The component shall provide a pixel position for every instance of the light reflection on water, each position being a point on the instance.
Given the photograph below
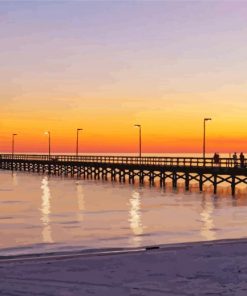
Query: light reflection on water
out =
(40, 213)
(207, 229)
(135, 217)
(46, 211)
(81, 203)
(14, 178)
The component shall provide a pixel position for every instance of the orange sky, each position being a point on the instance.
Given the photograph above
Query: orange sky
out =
(104, 67)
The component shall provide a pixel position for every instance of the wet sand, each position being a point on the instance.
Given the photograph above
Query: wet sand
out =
(206, 268)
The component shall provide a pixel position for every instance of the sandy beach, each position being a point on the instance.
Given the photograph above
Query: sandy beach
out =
(205, 268)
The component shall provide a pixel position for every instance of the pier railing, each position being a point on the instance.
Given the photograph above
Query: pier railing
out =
(129, 160)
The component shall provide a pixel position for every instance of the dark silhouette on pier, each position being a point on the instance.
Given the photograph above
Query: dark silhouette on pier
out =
(214, 170)
(242, 160)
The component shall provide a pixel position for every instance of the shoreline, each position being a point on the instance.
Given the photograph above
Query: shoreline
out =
(60, 255)
(198, 268)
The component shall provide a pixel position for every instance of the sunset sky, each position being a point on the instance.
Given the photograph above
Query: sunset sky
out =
(105, 66)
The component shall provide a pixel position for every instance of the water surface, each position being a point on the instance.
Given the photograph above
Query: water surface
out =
(41, 214)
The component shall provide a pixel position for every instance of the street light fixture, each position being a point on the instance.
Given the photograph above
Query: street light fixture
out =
(140, 139)
(77, 140)
(49, 142)
(13, 145)
(204, 136)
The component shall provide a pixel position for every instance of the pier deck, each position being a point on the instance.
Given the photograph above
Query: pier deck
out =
(132, 169)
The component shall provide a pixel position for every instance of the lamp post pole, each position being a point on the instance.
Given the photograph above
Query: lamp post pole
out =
(49, 143)
(140, 139)
(13, 150)
(204, 137)
(13, 145)
(77, 140)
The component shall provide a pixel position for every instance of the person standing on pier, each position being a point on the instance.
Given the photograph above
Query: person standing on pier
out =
(216, 158)
(242, 158)
(235, 159)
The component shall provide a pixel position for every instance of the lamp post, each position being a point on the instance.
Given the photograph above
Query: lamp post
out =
(13, 145)
(77, 140)
(140, 139)
(204, 136)
(49, 143)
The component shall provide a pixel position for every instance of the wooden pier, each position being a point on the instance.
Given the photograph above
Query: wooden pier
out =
(133, 169)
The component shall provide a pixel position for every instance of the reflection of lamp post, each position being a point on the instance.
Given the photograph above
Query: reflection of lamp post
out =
(77, 139)
(13, 145)
(49, 142)
(140, 139)
(204, 136)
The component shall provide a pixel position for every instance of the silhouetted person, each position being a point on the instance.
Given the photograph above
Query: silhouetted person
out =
(242, 158)
(216, 158)
(235, 159)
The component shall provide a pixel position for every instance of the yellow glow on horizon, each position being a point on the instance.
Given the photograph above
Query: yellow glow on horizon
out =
(171, 123)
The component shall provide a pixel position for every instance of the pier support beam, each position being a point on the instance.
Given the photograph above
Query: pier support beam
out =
(233, 185)
(187, 181)
(201, 183)
(215, 183)
(174, 180)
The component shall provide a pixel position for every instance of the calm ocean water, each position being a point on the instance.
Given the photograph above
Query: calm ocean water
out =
(42, 214)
